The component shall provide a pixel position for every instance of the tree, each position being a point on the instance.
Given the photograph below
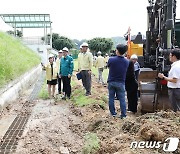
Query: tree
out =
(62, 42)
(59, 42)
(100, 44)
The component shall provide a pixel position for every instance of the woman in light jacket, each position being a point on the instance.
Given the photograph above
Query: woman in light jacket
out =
(51, 75)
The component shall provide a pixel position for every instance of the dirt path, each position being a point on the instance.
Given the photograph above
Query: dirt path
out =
(50, 129)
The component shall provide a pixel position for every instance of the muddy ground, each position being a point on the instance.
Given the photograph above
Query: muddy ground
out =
(57, 126)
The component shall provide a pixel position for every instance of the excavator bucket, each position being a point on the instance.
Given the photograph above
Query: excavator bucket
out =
(153, 95)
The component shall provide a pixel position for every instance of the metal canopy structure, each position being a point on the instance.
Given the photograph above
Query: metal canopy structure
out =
(29, 21)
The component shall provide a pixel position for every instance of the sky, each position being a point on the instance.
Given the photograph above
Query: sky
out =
(84, 19)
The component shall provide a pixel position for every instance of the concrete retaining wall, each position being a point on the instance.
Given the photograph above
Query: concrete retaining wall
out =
(14, 89)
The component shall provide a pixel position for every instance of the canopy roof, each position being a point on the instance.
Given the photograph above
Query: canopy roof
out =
(27, 20)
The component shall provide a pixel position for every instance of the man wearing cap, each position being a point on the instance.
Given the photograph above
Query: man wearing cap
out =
(58, 61)
(51, 75)
(100, 63)
(86, 66)
(134, 58)
(66, 70)
(106, 59)
(118, 66)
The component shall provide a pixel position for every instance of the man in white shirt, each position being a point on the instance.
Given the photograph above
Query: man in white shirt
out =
(173, 79)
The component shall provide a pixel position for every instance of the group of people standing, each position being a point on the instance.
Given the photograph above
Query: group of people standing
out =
(59, 71)
(122, 77)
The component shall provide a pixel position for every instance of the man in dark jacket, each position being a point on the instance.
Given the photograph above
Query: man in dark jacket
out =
(66, 70)
(131, 88)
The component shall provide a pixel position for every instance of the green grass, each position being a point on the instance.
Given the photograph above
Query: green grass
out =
(15, 58)
(91, 144)
(80, 99)
(43, 94)
(75, 65)
(73, 83)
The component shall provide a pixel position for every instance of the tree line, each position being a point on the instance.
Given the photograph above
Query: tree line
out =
(96, 44)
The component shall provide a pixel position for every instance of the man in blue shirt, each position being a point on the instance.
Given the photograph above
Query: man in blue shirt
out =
(66, 69)
(116, 80)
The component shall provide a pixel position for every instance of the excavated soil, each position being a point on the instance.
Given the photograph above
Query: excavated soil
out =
(60, 127)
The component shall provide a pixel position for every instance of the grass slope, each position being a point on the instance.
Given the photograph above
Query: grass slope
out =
(15, 58)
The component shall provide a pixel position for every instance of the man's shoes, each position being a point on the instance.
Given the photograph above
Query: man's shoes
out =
(114, 115)
(132, 112)
(68, 97)
(53, 97)
(64, 98)
(123, 118)
(87, 94)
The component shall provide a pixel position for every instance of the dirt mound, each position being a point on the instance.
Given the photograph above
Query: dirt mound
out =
(95, 125)
(96, 107)
(116, 143)
(152, 133)
(166, 124)
(75, 110)
(131, 127)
